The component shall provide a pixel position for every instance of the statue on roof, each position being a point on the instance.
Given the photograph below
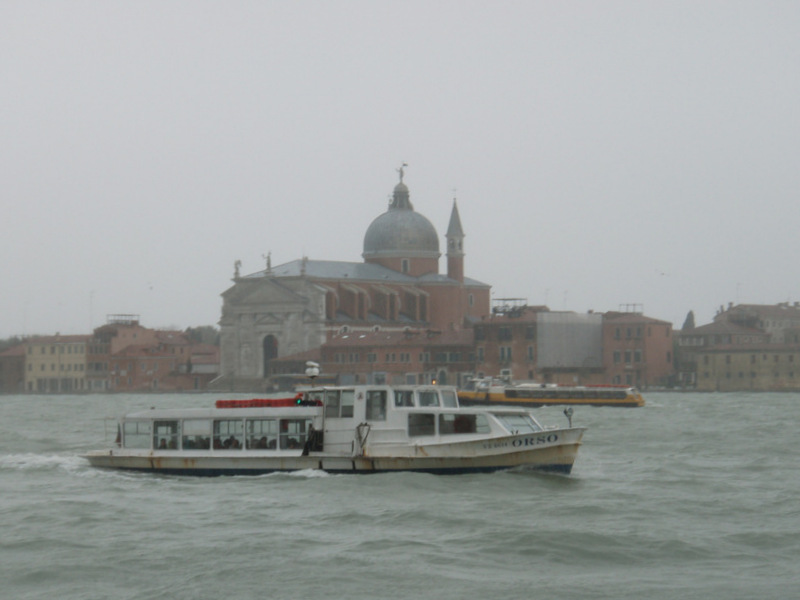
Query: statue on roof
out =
(401, 171)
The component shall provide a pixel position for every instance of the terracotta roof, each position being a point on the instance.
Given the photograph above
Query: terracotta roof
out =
(18, 350)
(618, 317)
(400, 338)
(720, 327)
(59, 339)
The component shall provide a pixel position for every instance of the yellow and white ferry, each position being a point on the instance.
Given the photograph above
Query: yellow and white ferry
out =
(489, 391)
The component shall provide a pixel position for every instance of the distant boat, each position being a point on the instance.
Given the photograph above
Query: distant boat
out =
(492, 391)
(350, 429)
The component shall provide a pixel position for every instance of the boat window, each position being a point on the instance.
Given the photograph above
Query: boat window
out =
(228, 434)
(196, 434)
(165, 435)
(421, 424)
(293, 433)
(449, 399)
(376, 405)
(136, 434)
(403, 398)
(332, 402)
(452, 423)
(262, 434)
(348, 399)
(428, 398)
(518, 423)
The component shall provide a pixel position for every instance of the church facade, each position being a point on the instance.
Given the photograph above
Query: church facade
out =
(392, 317)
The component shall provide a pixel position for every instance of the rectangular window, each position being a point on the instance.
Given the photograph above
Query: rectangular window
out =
(196, 434)
(262, 434)
(421, 424)
(136, 434)
(463, 424)
(165, 435)
(332, 403)
(293, 433)
(403, 398)
(348, 400)
(228, 434)
(617, 357)
(376, 405)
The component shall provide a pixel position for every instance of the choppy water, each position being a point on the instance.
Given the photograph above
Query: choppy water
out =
(692, 496)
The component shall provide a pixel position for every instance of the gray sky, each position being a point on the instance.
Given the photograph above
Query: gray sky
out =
(602, 153)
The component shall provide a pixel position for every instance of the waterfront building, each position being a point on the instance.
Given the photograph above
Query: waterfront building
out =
(747, 347)
(637, 350)
(755, 367)
(56, 364)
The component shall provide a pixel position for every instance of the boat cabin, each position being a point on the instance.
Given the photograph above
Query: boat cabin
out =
(337, 420)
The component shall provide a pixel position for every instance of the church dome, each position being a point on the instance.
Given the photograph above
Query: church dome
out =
(400, 231)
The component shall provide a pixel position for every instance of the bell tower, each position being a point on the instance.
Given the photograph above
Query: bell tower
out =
(455, 246)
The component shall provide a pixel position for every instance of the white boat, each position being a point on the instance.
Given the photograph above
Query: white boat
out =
(361, 429)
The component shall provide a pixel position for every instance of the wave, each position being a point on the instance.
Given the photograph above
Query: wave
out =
(42, 462)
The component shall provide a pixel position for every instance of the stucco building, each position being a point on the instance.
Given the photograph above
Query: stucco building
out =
(56, 364)
(748, 347)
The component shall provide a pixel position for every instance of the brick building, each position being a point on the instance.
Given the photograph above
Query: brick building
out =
(637, 350)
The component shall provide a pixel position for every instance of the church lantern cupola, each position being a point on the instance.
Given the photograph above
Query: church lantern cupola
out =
(401, 239)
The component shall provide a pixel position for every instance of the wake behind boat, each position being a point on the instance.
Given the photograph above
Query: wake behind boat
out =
(490, 391)
(348, 429)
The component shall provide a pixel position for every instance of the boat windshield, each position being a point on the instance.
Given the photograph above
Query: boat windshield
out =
(518, 423)
(449, 399)
(428, 398)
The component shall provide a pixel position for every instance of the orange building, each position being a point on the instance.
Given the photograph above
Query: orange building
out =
(637, 350)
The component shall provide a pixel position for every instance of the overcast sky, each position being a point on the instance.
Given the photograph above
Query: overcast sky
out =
(602, 153)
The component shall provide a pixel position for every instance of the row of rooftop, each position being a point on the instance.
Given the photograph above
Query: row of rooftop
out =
(746, 347)
(120, 356)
